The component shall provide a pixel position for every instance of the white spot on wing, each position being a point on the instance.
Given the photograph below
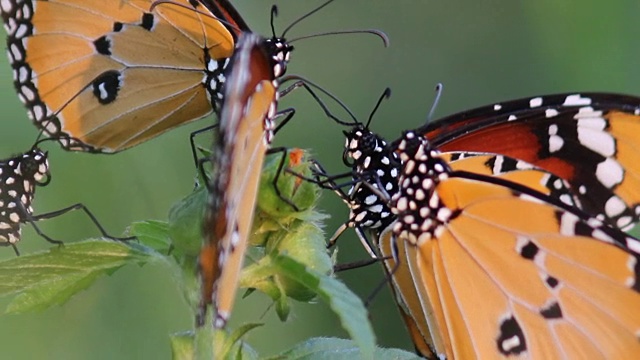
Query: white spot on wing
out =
(535, 102)
(576, 100)
(599, 141)
(510, 343)
(601, 235)
(609, 173)
(568, 223)
(549, 113)
(6, 6)
(614, 206)
(633, 245)
(596, 123)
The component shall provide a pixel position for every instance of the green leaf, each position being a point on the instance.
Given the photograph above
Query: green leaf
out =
(345, 304)
(185, 222)
(338, 349)
(303, 194)
(227, 346)
(52, 277)
(218, 344)
(305, 243)
(182, 346)
(152, 233)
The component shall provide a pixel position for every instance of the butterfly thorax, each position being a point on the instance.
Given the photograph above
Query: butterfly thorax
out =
(371, 161)
(420, 211)
(19, 177)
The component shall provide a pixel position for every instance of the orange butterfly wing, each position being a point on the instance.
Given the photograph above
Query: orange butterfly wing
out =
(103, 76)
(509, 274)
(412, 298)
(244, 135)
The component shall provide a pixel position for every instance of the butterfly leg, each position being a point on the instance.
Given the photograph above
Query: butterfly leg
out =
(323, 180)
(15, 249)
(283, 158)
(357, 264)
(288, 115)
(388, 274)
(305, 84)
(203, 174)
(33, 219)
(329, 183)
(192, 142)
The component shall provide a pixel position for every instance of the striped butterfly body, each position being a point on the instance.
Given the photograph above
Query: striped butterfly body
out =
(19, 177)
(242, 140)
(103, 76)
(501, 270)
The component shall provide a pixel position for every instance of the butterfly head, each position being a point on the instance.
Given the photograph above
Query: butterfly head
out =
(360, 146)
(34, 164)
(279, 50)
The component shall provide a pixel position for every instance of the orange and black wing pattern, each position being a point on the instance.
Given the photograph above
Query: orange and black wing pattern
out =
(500, 270)
(222, 9)
(591, 140)
(103, 76)
(243, 137)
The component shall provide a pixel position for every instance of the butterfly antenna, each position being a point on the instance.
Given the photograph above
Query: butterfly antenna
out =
(385, 95)
(378, 33)
(40, 139)
(284, 33)
(436, 101)
(388, 277)
(301, 81)
(274, 13)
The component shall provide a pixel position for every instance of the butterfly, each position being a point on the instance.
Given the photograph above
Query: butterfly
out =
(371, 213)
(103, 76)
(592, 165)
(243, 137)
(502, 270)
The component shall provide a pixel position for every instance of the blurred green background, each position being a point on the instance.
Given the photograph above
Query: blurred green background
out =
(483, 52)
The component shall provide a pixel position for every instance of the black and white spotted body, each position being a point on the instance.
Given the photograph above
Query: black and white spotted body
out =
(380, 166)
(19, 177)
(421, 214)
(370, 160)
